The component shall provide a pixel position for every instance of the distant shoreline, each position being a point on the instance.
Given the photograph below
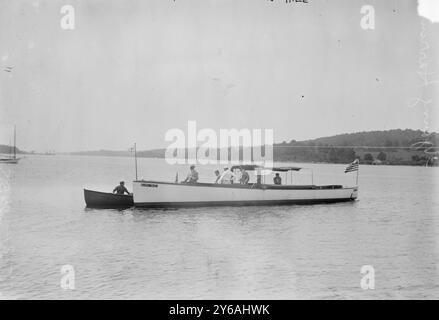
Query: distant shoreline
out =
(390, 147)
(85, 154)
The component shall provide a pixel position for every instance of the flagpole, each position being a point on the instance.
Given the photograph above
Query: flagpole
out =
(15, 138)
(135, 159)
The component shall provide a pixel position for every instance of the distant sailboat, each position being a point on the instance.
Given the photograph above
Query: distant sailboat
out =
(13, 159)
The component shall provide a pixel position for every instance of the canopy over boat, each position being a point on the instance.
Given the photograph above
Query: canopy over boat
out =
(285, 169)
(253, 167)
(248, 167)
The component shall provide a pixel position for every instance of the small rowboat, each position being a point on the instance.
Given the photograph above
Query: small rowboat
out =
(96, 199)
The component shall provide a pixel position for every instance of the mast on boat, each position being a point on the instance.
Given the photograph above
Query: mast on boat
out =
(135, 158)
(15, 151)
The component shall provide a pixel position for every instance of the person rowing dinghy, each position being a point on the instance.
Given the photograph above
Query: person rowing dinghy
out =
(120, 189)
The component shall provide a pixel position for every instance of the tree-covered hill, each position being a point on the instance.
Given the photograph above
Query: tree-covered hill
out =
(409, 147)
(388, 138)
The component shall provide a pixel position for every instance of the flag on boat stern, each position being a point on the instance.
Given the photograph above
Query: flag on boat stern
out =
(353, 166)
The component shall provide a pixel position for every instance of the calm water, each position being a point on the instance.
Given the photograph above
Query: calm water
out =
(253, 252)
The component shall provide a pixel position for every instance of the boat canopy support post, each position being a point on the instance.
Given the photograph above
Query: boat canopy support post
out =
(358, 170)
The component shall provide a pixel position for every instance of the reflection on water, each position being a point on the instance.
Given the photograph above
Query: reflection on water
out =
(229, 252)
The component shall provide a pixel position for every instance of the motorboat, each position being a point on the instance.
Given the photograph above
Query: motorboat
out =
(158, 194)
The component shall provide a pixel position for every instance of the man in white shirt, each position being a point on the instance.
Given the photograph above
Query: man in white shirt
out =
(227, 176)
(238, 175)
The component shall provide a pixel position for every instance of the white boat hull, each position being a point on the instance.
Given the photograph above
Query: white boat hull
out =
(163, 194)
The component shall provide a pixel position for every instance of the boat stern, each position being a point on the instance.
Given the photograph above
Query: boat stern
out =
(354, 194)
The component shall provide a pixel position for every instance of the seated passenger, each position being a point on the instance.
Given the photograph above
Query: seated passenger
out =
(245, 178)
(237, 175)
(217, 175)
(277, 179)
(192, 176)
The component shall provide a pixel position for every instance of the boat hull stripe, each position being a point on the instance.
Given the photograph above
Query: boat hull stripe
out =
(239, 203)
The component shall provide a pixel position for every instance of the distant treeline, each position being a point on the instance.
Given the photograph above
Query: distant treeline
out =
(9, 149)
(394, 147)
(103, 153)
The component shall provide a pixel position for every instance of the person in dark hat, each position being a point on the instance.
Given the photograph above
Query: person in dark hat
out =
(120, 189)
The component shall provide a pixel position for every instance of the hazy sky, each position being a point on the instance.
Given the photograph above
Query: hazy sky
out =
(131, 70)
